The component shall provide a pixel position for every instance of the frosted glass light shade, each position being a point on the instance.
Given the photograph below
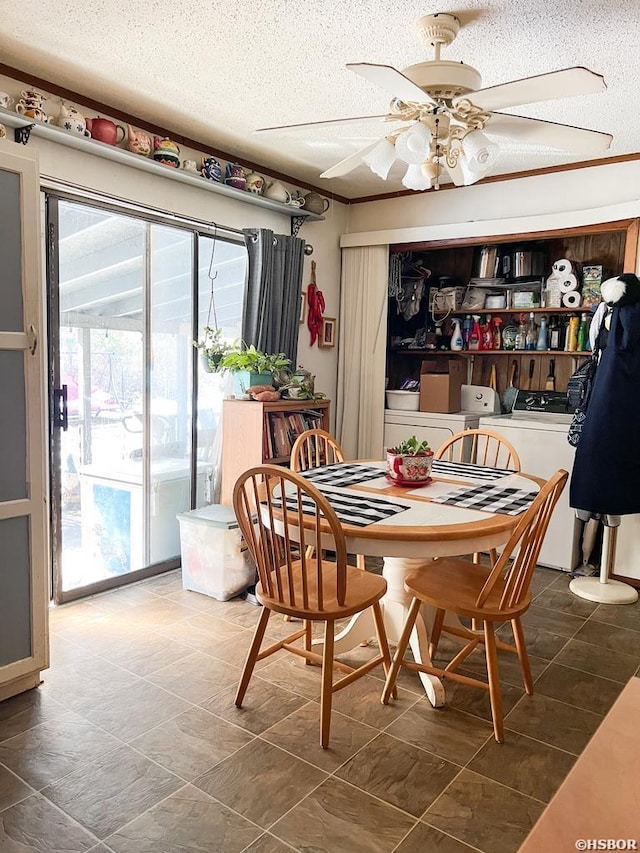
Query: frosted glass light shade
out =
(479, 154)
(381, 158)
(412, 146)
(415, 178)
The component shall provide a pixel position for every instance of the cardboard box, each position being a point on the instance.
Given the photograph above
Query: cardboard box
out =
(441, 380)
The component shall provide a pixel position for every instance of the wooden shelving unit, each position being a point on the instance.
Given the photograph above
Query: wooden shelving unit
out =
(255, 433)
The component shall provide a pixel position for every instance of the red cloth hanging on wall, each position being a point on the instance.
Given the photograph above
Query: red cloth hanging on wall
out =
(316, 306)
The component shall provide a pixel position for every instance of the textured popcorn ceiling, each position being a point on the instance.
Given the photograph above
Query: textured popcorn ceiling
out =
(216, 70)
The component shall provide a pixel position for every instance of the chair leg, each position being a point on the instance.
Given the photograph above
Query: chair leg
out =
(401, 648)
(383, 643)
(326, 694)
(493, 556)
(494, 681)
(307, 639)
(361, 562)
(436, 630)
(521, 646)
(254, 649)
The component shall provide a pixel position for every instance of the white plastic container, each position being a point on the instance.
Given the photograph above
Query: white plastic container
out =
(408, 401)
(215, 560)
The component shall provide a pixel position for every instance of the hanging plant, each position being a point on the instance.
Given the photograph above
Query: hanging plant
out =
(213, 348)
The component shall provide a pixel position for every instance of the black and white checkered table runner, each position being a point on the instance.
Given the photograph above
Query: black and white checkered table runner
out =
(463, 469)
(342, 474)
(500, 499)
(352, 508)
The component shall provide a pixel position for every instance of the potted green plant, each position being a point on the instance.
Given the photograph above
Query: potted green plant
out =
(409, 463)
(251, 366)
(300, 385)
(213, 348)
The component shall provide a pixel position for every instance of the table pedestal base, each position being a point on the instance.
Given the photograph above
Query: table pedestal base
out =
(395, 607)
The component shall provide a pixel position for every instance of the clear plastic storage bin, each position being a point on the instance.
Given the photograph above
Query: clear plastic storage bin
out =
(215, 560)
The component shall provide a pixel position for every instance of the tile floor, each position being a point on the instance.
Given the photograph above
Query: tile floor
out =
(132, 744)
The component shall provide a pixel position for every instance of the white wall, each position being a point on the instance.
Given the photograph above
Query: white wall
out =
(94, 172)
(554, 200)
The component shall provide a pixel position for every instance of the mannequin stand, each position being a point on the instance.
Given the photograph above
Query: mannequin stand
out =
(602, 589)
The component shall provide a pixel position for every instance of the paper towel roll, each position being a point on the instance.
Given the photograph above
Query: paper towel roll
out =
(571, 299)
(563, 266)
(568, 283)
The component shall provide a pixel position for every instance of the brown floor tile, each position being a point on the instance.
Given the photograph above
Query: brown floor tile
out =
(260, 767)
(442, 731)
(475, 700)
(508, 663)
(66, 616)
(48, 752)
(160, 612)
(578, 688)
(566, 602)
(234, 651)
(143, 651)
(610, 637)
(195, 677)
(291, 673)
(264, 705)
(85, 682)
(268, 844)
(125, 780)
(192, 743)
(598, 661)
(36, 825)
(622, 615)
(133, 710)
(540, 643)
(561, 623)
(63, 652)
(336, 817)
(123, 598)
(561, 583)
(484, 814)
(203, 633)
(528, 766)
(399, 773)
(361, 701)
(299, 734)
(186, 821)
(12, 789)
(553, 722)
(165, 583)
(427, 839)
(26, 711)
(542, 579)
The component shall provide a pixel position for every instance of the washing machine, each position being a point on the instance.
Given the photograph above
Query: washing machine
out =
(437, 427)
(537, 428)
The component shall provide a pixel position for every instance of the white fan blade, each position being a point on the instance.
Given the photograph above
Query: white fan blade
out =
(321, 123)
(392, 81)
(576, 139)
(543, 87)
(349, 163)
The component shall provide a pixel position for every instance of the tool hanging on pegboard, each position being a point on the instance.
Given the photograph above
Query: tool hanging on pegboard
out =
(316, 306)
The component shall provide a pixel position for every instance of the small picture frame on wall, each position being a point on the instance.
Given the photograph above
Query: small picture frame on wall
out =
(303, 305)
(328, 333)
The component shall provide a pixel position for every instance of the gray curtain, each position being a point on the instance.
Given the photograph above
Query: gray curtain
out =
(271, 312)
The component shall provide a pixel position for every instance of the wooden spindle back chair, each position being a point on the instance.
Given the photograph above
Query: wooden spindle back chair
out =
(486, 595)
(282, 516)
(313, 448)
(480, 447)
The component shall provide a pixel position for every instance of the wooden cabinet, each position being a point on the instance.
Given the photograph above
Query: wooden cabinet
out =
(254, 433)
(612, 244)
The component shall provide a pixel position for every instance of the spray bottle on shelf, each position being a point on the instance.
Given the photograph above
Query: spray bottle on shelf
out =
(583, 333)
(497, 334)
(457, 342)
(487, 333)
(521, 337)
(475, 338)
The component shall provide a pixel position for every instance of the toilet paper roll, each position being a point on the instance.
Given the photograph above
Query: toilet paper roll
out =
(568, 283)
(571, 299)
(563, 266)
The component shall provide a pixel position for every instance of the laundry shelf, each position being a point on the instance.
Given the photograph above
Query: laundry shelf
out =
(128, 158)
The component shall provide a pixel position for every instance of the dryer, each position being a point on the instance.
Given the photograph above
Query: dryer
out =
(437, 427)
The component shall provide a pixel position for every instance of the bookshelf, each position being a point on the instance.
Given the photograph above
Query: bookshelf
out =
(254, 433)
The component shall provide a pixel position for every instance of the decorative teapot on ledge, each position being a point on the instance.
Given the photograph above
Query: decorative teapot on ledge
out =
(138, 141)
(166, 152)
(69, 118)
(235, 176)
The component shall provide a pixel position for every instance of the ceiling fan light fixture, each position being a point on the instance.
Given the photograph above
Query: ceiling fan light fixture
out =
(415, 178)
(478, 156)
(412, 146)
(381, 158)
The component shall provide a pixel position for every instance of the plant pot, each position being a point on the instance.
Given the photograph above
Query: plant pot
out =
(403, 468)
(244, 379)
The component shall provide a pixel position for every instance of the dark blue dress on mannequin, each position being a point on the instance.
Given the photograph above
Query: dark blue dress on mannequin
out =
(606, 469)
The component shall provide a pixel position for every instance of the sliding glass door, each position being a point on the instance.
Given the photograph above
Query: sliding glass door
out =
(127, 457)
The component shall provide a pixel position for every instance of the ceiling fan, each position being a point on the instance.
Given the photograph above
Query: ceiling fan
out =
(440, 112)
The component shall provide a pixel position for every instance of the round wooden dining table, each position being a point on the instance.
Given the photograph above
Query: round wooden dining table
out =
(409, 540)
